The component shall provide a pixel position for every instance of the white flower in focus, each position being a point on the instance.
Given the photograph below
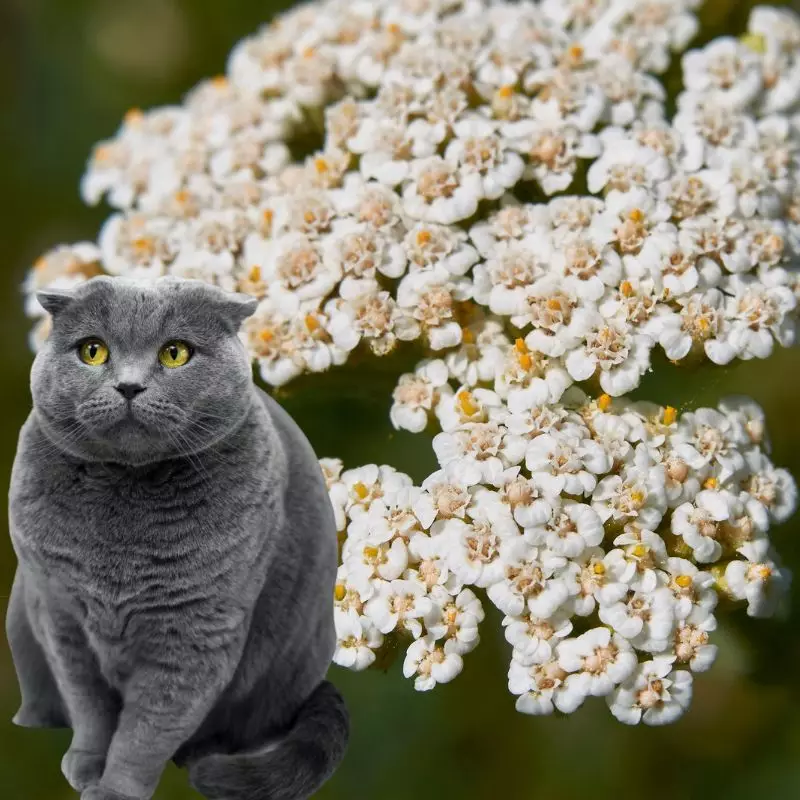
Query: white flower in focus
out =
(656, 694)
(699, 523)
(635, 562)
(566, 461)
(594, 581)
(534, 639)
(530, 579)
(692, 589)
(430, 662)
(455, 619)
(570, 529)
(399, 605)
(357, 638)
(541, 687)
(691, 644)
(598, 661)
(645, 619)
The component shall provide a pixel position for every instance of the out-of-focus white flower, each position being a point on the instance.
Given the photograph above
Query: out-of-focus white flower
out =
(759, 580)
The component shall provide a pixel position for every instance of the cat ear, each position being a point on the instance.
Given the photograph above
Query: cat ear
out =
(55, 300)
(235, 306)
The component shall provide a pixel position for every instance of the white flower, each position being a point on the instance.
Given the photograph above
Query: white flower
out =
(530, 579)
(357, 250)
(511, 222)
(625, 164)
(365, 561)
(647, 619)
(541, 687)
(698, 523)
(138, 245)
(534, 639)
(616, 350)
(417, 394)
(759, 316)
(551, 147)
(691, 644)
(595, 582)
(487, 446)
(637, 493)
(759, 580)
(429, 662)
(428, 298)
(598, 661)
(357, 638)
(774, 488)
(387, 148)
(465, 406)
(501, 282)
(399, 605)
(726, 67)
(439, 192)
(446, 493)
(588, 263)
(708, 438)
(390, 516)
(365, 311)
(634, 218)
(295, 263)
(480, 151)
(635, 562)
(455, 619)
(692, 589)
(428, 245)
(570, 529)
(566, 461)
(699, 325)
(656, 694)
(474, 548)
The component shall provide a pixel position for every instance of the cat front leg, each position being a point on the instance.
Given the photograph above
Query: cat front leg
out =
(41, 705)
(91, 704)
(163, 705)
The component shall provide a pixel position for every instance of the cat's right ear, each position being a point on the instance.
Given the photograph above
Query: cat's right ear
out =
(54, 301)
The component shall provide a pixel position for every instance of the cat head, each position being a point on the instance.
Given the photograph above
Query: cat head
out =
(136, 373)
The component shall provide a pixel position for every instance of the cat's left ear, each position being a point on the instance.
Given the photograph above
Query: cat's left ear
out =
(235, 307)
(53, 301)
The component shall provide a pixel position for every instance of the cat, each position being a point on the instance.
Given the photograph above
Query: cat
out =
(176, 551)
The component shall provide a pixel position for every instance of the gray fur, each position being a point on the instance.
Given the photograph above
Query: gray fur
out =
(177, 557)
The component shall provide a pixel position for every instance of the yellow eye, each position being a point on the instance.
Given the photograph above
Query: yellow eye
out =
(93, 352)
(175, 354)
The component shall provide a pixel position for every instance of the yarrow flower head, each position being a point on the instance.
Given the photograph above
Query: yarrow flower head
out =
(499, 187)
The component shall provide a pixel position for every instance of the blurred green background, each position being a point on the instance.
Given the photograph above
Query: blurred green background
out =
(69, 69)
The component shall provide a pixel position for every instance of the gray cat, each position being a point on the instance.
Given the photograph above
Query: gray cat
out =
(177, 554)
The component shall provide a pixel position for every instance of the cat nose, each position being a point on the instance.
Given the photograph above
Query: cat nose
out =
(129, 390)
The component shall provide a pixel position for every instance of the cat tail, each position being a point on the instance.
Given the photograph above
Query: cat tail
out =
(293, 768)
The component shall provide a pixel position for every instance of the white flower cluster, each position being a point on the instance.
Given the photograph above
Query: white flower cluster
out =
(501, 183)
(606, 533)
(440, 123)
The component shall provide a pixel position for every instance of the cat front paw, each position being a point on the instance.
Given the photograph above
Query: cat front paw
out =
(30, 716)
(82, 768)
